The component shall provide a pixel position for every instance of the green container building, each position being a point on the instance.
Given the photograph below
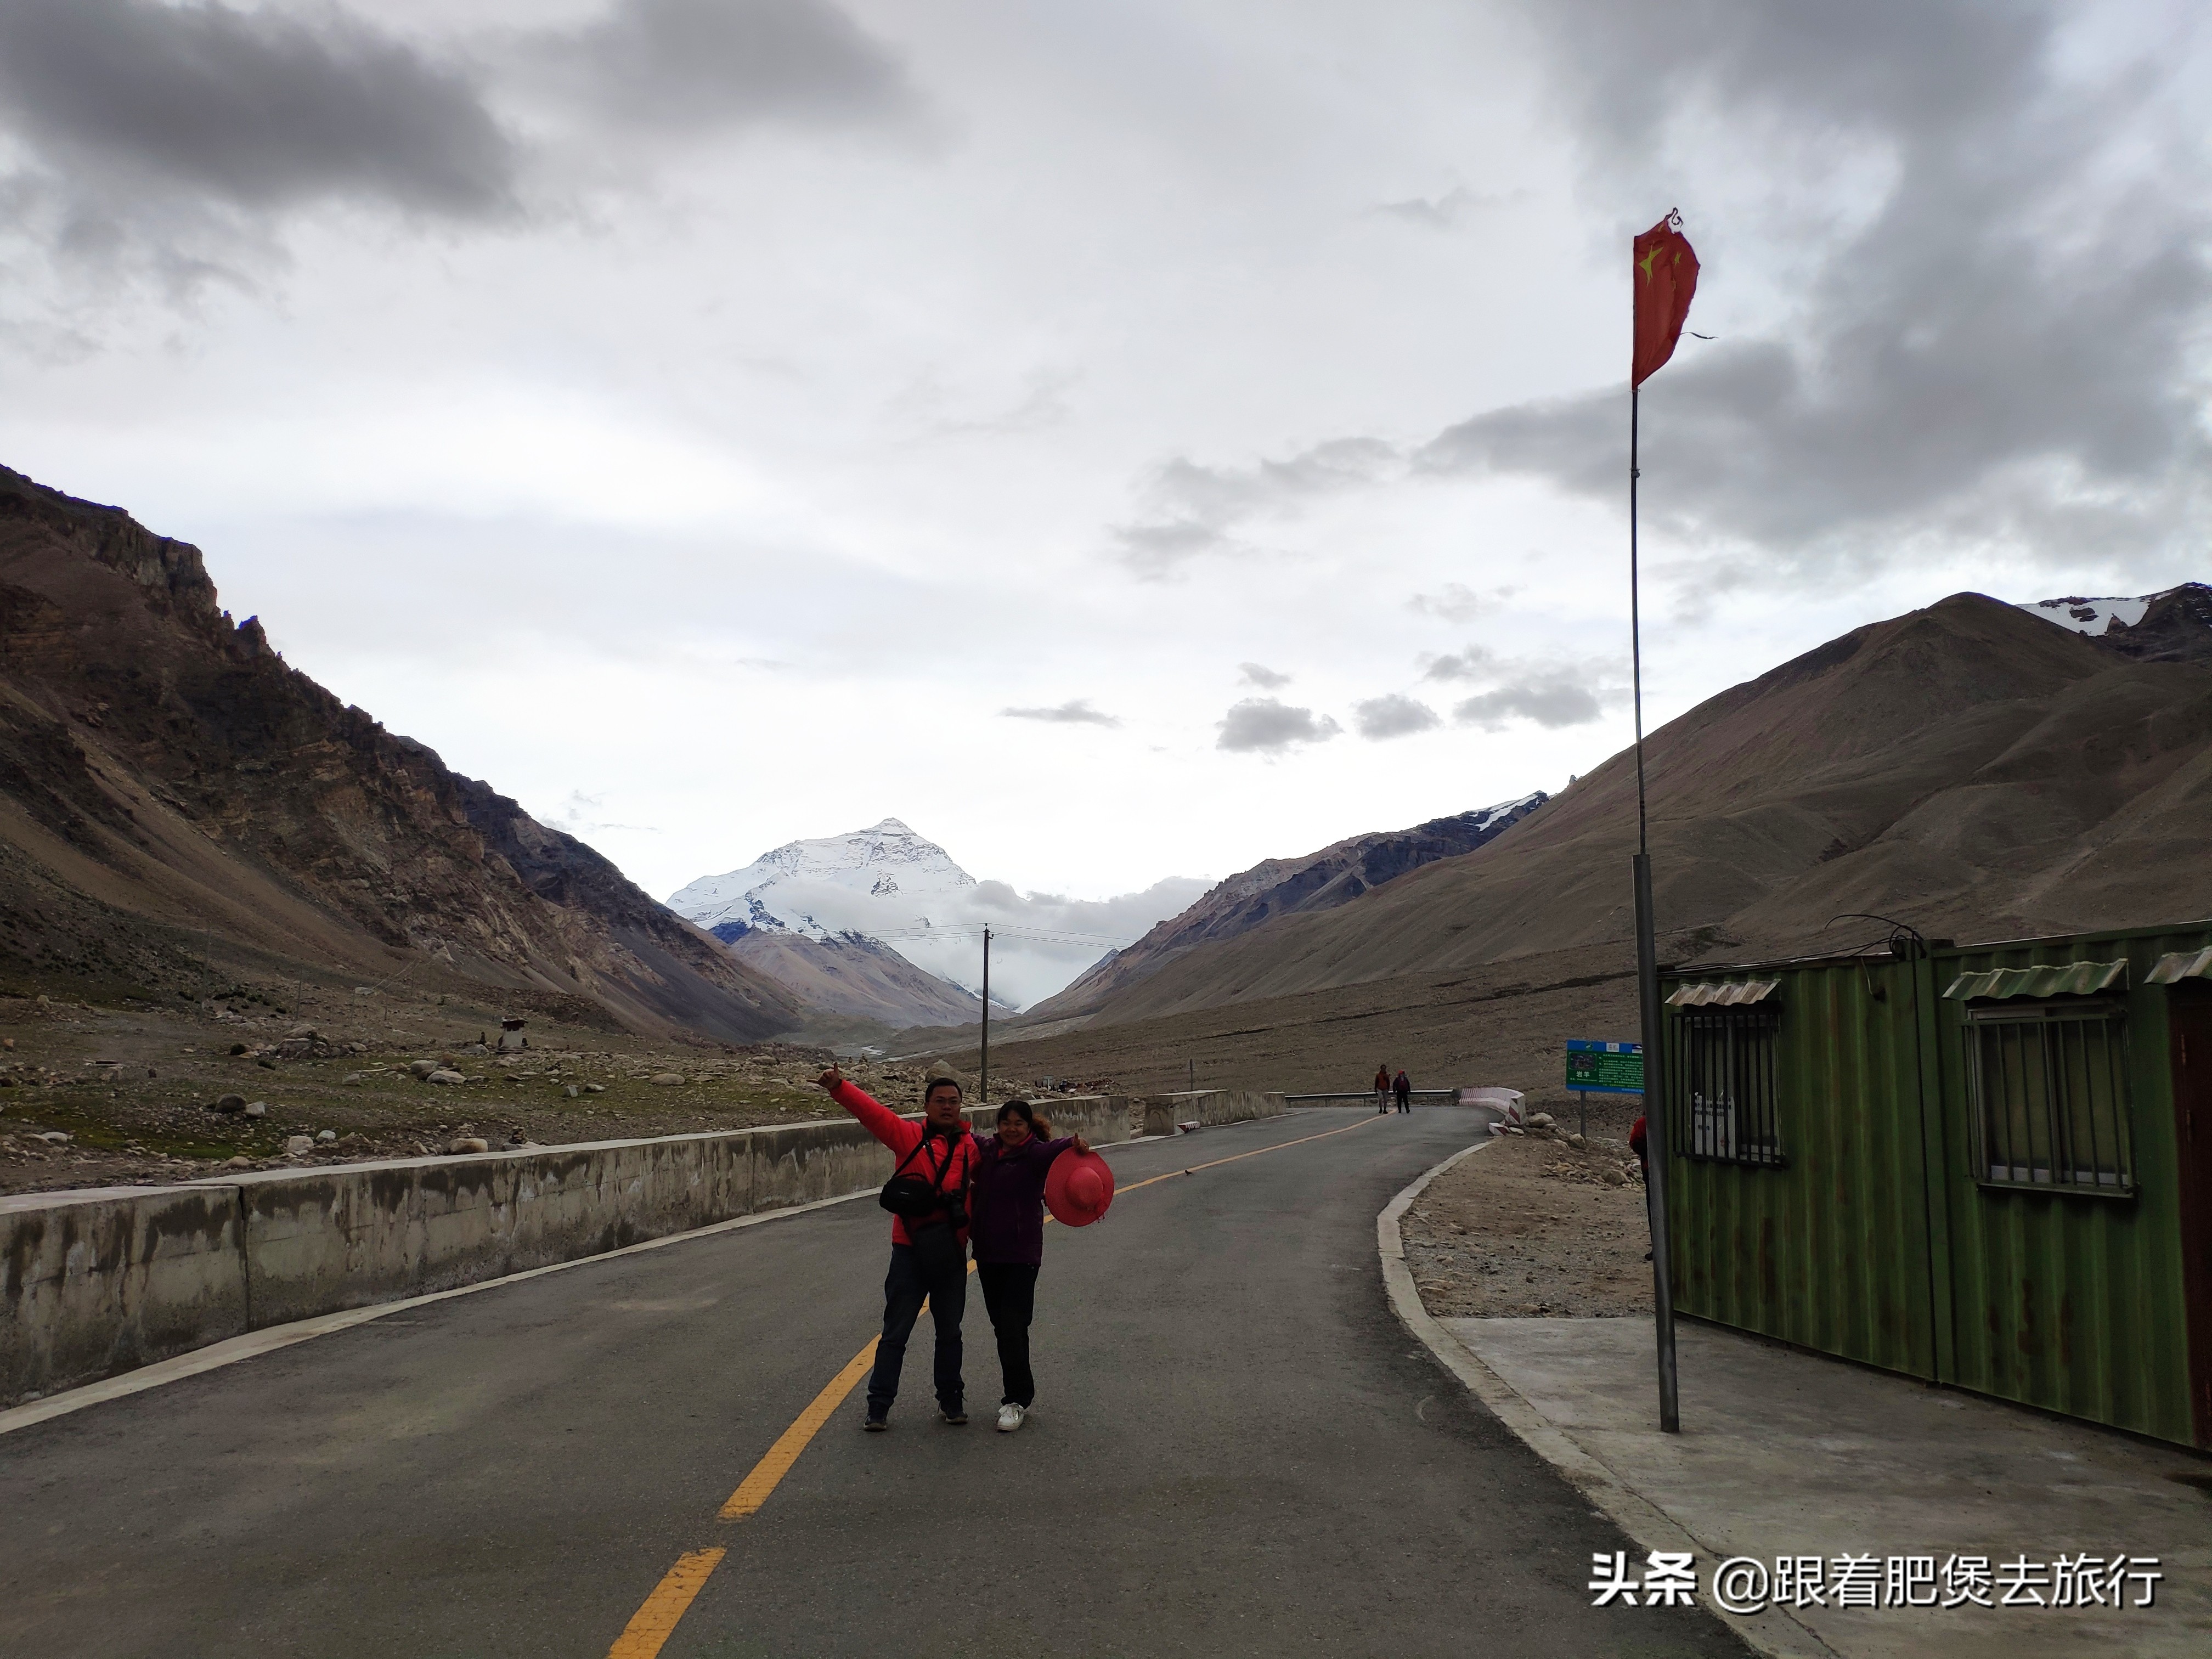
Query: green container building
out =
(1987, 1165)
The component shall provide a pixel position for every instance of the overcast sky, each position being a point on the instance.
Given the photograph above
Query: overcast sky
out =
(1122, 440)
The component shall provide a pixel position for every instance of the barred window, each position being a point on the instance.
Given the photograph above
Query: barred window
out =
(1723, 1085)
(2050, 1086)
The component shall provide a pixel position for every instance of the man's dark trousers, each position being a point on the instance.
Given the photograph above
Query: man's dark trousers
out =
(904, 1287)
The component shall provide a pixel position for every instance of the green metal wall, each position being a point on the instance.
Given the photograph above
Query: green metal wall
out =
(1875, 1241)
(2074, 1303)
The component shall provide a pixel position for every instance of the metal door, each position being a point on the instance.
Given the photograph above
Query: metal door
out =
(2191, 1011)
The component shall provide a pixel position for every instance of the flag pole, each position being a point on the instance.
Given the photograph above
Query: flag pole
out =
(1647, 981)
(983, 1082)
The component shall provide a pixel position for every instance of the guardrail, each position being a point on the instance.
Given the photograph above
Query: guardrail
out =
(1368, 1094)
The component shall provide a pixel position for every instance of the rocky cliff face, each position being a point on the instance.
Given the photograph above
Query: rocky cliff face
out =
(1336, 875)
(165, 777)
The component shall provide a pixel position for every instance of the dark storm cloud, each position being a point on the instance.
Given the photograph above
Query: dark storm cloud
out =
(1393, 715)
(1476, 662)
(126, 99)
(1266, 725)
(688, 64)
(1195, 508)
(2002, 351)
(1076, 713)
(1551, 701)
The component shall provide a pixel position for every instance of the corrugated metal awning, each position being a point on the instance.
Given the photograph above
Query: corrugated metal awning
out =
(2181, 965)
(2060, 979)
(1722, 993)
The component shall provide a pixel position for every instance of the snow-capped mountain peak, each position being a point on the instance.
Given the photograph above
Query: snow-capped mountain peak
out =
(866, 881)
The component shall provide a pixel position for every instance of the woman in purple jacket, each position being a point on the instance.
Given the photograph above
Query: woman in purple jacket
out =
(1005, 1209)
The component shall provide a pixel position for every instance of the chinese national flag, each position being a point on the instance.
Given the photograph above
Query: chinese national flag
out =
(1666, 277)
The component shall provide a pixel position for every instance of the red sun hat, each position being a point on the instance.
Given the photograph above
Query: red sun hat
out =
(1077, 1187)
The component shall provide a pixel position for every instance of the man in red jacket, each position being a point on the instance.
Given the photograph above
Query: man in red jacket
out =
(929, 1251)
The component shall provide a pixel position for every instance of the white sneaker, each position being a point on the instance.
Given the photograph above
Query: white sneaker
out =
(1010, 1417)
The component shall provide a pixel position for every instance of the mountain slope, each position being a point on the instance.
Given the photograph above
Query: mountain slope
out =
(168, 785)
(1336, 875)
(1968, 768)
(851, 974)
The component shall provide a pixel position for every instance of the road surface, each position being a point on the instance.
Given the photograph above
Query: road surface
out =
(1236, 1449)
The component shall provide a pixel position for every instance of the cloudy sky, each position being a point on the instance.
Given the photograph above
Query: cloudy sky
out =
(1123, 441)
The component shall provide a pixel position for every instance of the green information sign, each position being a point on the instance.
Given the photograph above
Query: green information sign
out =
(1605, 1069)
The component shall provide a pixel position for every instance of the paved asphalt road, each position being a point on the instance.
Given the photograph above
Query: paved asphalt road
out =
(1236, 1449)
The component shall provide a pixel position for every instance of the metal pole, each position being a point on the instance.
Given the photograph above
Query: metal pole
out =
(1647, 990)
(1193, 1075)
(983, 1083)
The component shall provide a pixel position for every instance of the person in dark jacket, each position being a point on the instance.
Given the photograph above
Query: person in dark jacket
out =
(1402, 1086)
(1007, 1203)
(925, 1262)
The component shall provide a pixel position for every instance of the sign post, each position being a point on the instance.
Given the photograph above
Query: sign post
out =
(1602, 1068)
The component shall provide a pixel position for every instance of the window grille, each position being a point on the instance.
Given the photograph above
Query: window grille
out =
(2050, 1088)
(1723, 1085)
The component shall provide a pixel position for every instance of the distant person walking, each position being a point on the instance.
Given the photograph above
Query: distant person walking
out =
(1006, 1203)
(928, 1197)
(1382, 1090)
(1402, 1086)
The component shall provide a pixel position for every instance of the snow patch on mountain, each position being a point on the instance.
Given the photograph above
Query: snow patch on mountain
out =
(2092, 617)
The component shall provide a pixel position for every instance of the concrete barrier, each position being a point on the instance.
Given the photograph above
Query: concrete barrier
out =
(96, 1282)
(1208, 1108)
(106, 1280)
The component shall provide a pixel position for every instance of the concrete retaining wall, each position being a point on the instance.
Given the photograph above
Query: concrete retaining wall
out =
(1208, 1108)
(96, 1282)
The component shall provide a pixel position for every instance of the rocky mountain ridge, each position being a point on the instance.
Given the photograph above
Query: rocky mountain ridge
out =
(169, 787)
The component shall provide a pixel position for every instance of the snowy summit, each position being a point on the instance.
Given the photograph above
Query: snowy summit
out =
(878, 879)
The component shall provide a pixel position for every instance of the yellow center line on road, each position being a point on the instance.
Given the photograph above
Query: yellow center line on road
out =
(652, 1625)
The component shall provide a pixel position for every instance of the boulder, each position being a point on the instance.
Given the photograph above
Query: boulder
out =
(256, 1108)
(446, 1077)
(461, 1143)
(326, 1135)
(300, 1032)
(423, 1068)
(668, 1079)
(1611, 1175)
(295, 1145)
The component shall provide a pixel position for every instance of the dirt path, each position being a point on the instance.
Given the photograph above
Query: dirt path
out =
(1532, 1227)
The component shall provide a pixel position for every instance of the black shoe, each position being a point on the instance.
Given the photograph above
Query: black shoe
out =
(956, 1415)
(875, 1424)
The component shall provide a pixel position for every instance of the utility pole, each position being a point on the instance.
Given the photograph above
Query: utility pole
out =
(983, 1083)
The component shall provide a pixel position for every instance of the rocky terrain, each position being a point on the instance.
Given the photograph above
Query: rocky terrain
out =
(1540, 1225)
(146, 1092)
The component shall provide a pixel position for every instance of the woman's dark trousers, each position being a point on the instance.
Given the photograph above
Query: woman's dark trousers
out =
(1009, 1298)
(904, 1286)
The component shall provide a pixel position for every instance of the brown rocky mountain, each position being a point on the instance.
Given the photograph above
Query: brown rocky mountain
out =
(170, 789)
(851, 974)
(1336, 875)
(1968, 769)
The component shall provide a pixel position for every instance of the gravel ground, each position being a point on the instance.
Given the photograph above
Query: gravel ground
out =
(128, 1094)
(1531, 1227)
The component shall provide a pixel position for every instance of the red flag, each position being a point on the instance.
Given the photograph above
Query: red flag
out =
(1666, 276)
